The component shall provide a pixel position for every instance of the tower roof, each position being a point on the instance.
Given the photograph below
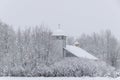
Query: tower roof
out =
(59, 32)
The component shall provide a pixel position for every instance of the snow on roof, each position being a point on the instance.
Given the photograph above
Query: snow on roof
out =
(59, 32)
(76, 42)
(79, 52)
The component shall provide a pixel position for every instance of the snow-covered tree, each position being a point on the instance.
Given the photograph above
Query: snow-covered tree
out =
(7, 47)
(70, 40)
(103, 45)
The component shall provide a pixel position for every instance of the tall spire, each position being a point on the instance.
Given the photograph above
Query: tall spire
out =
(59, 26)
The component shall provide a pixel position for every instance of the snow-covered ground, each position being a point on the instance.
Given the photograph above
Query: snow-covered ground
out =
(61, 78)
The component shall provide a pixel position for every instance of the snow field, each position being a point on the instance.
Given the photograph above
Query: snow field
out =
(58, 78)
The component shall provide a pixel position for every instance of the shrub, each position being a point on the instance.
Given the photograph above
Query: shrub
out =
(115, 74)
(78, 67)
(41, 70)
(17, 71)
(68, 67)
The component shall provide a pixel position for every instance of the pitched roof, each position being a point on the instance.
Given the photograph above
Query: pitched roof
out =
(79, 52)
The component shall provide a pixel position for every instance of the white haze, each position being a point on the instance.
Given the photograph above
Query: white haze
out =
(75, 16)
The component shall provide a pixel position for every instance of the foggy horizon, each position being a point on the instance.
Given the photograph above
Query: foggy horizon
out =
(76, 17)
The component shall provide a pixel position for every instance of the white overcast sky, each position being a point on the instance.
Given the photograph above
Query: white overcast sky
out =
(75, 16)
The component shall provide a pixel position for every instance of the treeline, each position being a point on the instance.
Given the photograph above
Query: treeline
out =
(32, 52)
(24, 50)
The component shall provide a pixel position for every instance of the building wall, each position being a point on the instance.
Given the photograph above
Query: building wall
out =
(60, 42)
(68, 54)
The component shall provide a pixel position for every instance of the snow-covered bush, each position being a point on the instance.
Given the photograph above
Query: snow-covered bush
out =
(103, 68)
(4, 71)
(37, 71)
(114, 74)
(78, 67)
(42, 70)
(68, 67)
(117, 73)
(17, 71)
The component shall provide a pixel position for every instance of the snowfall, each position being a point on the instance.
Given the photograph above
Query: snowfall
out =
(58, 78)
